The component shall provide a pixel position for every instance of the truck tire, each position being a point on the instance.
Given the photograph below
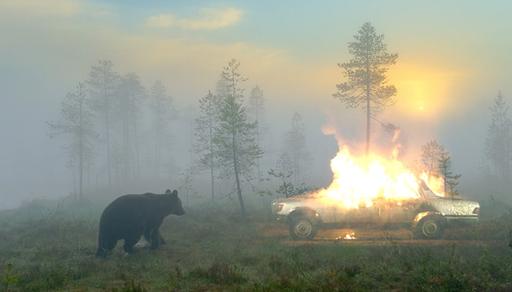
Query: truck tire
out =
(430, 227)
(302, 228)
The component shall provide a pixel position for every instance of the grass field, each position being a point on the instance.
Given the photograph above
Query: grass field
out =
(50, 246)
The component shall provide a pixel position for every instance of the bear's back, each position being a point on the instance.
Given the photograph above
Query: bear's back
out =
(136, 206)
(126, 207)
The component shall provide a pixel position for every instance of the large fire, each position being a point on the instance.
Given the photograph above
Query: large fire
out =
(435, 183)
(358, 181)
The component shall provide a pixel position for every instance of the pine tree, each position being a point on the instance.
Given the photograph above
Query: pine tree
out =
(436, 162)
(296, 149)
(284, 173)
(235, 137)
(102, 85)
(256, 111)
(128, 98)
(366, 85)
(451, 181)
(77, 124)
(162, 113)
(499, 139)
(204, 132)
(431, 155)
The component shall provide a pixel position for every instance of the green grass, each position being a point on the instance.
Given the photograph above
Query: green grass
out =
(49, 246)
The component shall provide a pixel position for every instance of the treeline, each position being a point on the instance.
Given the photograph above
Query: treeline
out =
(120, 133)
(498, 148)
(496, 163)
(105, 118)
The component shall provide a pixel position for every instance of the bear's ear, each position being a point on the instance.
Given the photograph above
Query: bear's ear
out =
(167, 192)
(175, 193)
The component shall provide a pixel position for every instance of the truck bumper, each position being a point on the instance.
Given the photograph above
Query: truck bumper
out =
(462, 220)
(280, 218)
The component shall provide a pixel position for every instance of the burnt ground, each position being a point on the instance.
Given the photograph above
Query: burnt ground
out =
(378, 237)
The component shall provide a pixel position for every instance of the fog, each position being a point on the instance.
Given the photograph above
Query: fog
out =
(44, 53)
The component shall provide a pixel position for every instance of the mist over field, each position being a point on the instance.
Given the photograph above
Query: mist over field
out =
(446, 79)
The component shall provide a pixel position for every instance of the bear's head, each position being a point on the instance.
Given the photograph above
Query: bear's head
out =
(173, 202)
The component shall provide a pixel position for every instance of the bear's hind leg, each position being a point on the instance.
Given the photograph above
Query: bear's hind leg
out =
(152, 233)
(105, 246)
(147, 237)
(101, 252)
(147, 234)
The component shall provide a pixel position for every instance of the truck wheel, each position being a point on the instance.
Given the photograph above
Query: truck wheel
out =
(429, 227)
(302, 228)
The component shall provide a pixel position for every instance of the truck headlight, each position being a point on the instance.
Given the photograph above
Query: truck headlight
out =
(277, 207)
(476, 211)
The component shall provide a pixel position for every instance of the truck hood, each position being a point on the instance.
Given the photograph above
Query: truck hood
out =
(454, 207)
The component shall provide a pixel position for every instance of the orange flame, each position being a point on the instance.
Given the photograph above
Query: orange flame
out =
(358, 181)
(350, 236)
(435, 183)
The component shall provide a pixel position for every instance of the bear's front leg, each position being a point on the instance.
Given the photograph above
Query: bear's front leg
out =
(155, 238)
(149, 238)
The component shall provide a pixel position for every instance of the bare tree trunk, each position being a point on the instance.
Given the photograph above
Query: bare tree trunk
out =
(212, 178)
(107, 141)
(296, 167)
(156, 156)
(212, 182)
(81, 174)
(80, 151)
(235, 154)
(368, 127)
(137, 150)
(126, 166)
(237, 178)
(258, 167)
(368, 111)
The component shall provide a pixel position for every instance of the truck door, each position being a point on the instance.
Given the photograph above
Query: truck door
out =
(396, 212)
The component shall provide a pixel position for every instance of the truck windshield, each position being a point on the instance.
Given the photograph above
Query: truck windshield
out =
(425, 191)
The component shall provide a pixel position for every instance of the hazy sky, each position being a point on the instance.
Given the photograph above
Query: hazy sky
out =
(454, 56)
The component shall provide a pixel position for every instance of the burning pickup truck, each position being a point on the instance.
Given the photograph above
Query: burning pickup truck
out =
(428, 215)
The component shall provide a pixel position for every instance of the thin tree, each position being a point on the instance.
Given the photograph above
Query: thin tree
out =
(366, 85)
(162, 113)
(102, 85)
(204, 133)
(76, 123)
(296, 149)
(499, 139)
(221, 87)
(235, 137)
(431, 155)
(256, 110)
(450, 180)
(128, 98)
(187, 187)
(284, 173)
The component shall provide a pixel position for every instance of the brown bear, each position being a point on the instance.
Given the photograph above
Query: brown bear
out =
(131, 216)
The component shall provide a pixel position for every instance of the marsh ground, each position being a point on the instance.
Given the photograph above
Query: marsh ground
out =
(50, 247)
